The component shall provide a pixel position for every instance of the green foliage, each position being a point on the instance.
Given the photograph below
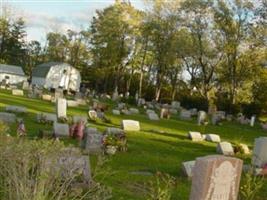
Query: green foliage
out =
(194, 102)
(161, 188)
(4, 128)
(250, 186)
(251, 109)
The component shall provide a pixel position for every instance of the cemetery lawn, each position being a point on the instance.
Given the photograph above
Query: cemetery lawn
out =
(160, 146)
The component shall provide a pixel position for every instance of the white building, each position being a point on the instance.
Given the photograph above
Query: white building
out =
(10, 74)
(56, 75)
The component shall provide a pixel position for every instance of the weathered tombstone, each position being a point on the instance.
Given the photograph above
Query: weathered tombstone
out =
(252, 120)
(116, 112)
(195, 136)
(149, 111)
(125, 112)
(202, 116)
(259, 158)
(134, 110)
(46, 117)
(61, 130)
(92, 114)
(225, 148)
(130, 125)
(153, 116)
(185, 115)
(216, 178)
(173, 111)
(59, 93)
(113, 130)
(17, 92)
(121, 106)
(92, 142)
(7, 117)
(115, 95)
(72, 103)
(187, 168)
(215, 118)
(61, 108)
(175, 105)
(25, 85)
(264, 126)
(213, 138)
(17, 109)
(141, 102)
(193, 112)
(78, 118)
(46, 97)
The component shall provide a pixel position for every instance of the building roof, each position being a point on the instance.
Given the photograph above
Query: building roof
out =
(11, 69)
(43, 69)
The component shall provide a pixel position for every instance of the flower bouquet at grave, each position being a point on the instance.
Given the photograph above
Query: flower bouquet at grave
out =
(114, 142)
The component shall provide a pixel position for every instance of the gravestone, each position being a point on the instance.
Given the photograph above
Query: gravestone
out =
(252, 120)
(61, 130)
(17, 92)
(193, 112)
(121, 106)
(259, 158)
(244, 148)
(72, 103)
(46, 97)
(92, 114)
(195, 136)
(213, 138)
(153, 116)
(130, 125)
(58, 94)
(225, 148)
(125, 112)
(77, 118)
(134, 110)
(202, 116)
(185, 115)
(149, 111)
(175, 105)
(113, 130)
(48, 117)
(25, 85)
(116, 112)
(81, 102)
(187, 168)
(17, 109)
(92, 142)
(7, 117)
(61, 108)
(216, 178)
(141, 102)
(173, 111)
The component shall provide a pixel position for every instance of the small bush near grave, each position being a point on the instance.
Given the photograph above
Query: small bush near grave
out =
(250, 185)
(161, 188)
(26, 173)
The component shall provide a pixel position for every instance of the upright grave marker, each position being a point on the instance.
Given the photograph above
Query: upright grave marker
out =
(61, 108)
(216, 178)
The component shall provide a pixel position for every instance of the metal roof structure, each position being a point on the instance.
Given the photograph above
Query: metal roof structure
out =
(11, 69)
(43, 69)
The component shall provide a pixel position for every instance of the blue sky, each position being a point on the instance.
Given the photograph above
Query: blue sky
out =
(43, 16)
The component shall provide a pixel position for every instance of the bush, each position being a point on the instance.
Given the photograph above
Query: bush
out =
(251, 109)
(29, 172)
(194, 102)
(225, 105)
(130, 100)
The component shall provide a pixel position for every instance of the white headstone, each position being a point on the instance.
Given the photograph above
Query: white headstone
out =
(61, 108)
(213, 138)
(116, 112)
(130, 125)
(46, 97)
(225, 148)
(202, 116)
(195, 136)
(72, 103)
(259, 158)
(61, 130)
(17, 92)
(134, 110)
(185, 115)
(252, 120)
(187, 168)
(92, 142)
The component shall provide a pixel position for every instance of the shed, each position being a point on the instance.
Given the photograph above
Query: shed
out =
(56, 75)
(11, 74)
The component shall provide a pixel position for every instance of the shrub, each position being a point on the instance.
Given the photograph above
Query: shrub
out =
(194, 102)
(26, 172)
(251, 109)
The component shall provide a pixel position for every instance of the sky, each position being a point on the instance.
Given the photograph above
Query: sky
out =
(43, 16)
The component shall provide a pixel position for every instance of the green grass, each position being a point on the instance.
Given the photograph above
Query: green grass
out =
(159, 146)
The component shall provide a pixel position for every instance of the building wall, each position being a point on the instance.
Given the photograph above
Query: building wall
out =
(38, 81)
(13, 79)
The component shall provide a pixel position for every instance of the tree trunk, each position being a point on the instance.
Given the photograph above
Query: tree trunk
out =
(141, 84)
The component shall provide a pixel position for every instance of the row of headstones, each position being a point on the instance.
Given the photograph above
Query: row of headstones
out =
(225, 148)
(259, 158)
